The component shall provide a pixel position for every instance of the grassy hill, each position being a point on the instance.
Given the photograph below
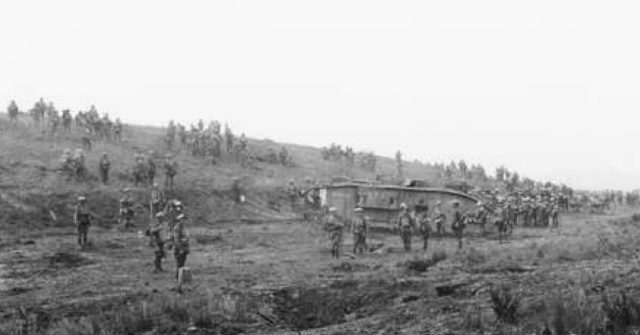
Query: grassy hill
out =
(33, 193)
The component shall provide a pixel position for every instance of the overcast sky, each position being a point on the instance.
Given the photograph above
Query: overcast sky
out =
(549, 88)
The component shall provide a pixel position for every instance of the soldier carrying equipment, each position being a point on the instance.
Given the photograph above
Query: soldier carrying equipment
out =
(405, 226)
(82, 220)
(180, 243)
(359, 226)
(155, 231)
(458, 224)
(335, 227)
(424, 225)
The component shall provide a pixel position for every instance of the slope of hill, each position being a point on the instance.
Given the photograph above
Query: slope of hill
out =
(30, 183)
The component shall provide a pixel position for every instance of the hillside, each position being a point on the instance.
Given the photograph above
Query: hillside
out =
(30, 183)
(270, 272)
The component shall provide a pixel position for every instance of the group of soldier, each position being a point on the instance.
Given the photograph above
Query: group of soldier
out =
(213, 143)
(45, 115)
(335, 152)
(504, 214)
(166, 227)
(209, 141)
(144, 169)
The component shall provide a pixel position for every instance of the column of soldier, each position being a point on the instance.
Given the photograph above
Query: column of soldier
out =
(540, 211)
(46, 116)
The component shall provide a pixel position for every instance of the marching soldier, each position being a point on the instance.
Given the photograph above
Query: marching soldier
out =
(104, 166)
(405, 226)
(359, 226)
(458, 224)
(180, 243)
(170, 171)
(335, 227)
(82, 220)
(158, 243)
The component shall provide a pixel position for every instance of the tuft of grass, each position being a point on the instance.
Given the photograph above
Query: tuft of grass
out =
(506, 301)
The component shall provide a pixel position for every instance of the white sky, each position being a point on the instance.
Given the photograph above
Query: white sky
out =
(549, 88)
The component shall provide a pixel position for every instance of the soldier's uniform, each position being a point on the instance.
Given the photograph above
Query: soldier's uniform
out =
(156, 199)
(359, 226)
(172, 210)
(158, 243)
(335, 227)
(104, 166)
(180, 243)
(126, 209)
(500, 220)
(458, 224)
(405, 226)
(170, 171)
(555, 213)
(424, 225)
(82, 220)
(481, 218)
(440, 219)
(293, 194)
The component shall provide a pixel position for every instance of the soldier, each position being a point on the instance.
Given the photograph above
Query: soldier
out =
(66, 164)
(156, 199)
(104, 166)
(481, 217)
(126, 208)
(179, 242)
(170, 171)
(66, 120)
(359, 226)
(117, 130)
(13, 111)
(424, 225)
(439, 218)
(500, 220)
(151, 168)
(78, 163)
(292, 192)
(155, 231)
(284, 156)
(139, 170)
(82, 220)
(458, 224)
(555, 213)
(335, 227)
(405, 226)
(172, 210)
(229, 138)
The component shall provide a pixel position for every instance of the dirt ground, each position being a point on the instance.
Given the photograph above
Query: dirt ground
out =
(275, 278)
